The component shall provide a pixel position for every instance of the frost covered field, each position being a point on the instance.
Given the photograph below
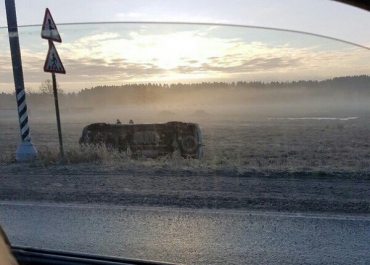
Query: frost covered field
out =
(264, 163)
(234, 144)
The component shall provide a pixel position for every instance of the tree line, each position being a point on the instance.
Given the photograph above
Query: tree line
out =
(152, 93)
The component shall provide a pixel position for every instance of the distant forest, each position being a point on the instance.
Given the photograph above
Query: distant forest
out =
(101, 96)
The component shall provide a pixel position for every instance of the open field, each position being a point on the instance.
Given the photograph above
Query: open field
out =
(284, 163)
(233, 143)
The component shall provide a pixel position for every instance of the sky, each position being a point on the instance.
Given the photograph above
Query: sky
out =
(318, 16)
(117, 53)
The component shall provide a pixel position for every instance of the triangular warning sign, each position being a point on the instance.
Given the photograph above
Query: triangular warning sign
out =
(49, 30)
(53, 64)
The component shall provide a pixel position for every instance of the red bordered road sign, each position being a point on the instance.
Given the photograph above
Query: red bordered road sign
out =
(53, 64)
(49, 30)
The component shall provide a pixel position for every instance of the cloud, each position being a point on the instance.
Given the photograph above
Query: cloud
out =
(191, 54)
(96, 38)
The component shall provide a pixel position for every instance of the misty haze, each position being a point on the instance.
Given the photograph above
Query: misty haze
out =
(305, 125)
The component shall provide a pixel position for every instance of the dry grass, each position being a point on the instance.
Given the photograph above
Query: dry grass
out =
(234, 147)
(74, 153)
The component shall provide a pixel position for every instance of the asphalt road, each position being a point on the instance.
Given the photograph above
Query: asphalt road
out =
(190, 236)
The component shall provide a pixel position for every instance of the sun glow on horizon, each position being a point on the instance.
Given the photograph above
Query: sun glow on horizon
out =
(118, 54)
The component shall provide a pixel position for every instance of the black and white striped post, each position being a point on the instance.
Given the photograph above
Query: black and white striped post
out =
(23, 117)
(25, 151)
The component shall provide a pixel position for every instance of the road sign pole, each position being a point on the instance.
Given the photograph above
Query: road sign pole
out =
(53, 64)
(57, 114)
(25, 151)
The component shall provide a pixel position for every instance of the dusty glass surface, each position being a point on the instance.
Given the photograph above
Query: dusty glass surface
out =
(284, 118)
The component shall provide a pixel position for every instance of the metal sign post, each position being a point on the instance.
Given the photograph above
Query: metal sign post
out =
(53, 65)
(25, 151)
(57, 113)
